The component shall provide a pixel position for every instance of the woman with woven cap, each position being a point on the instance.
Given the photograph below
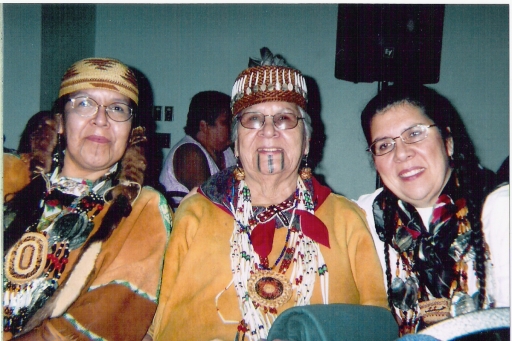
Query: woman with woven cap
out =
(262, 236)
(83, 240)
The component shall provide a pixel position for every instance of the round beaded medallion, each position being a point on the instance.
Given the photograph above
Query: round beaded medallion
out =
(26, 259)
(269, 289)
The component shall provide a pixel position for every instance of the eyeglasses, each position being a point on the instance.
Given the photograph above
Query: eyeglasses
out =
(256, 120)
(87, 107)
(410, 135)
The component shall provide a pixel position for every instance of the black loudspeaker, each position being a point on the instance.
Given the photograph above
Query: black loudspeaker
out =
(389, 43)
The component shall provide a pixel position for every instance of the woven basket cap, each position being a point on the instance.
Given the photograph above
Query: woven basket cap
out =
(104, 73)
(268, 83)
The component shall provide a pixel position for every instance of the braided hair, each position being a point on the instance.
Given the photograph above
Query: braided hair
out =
(388, 237)
(474, 181)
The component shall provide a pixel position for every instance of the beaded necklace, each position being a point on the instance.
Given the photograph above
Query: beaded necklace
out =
(414, 302)
(260, 290)
(35, 263)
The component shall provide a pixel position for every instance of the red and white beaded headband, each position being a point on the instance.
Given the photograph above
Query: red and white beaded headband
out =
(268, 83)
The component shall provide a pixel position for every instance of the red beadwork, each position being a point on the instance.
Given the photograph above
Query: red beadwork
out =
(269, 288)
(52, 203)
(242, 327)
(264, 262)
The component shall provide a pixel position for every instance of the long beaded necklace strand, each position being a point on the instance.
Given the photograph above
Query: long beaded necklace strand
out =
(65, 226)
(459, 302)
(260, 290)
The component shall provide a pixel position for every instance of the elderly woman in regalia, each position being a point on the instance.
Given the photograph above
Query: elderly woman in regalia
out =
(264, 235)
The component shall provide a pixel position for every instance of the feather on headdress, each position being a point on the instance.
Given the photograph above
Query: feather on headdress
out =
(266, 80)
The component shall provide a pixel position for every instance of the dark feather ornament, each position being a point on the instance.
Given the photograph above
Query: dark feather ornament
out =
(72, 227)
(404, 295)
(267, 59)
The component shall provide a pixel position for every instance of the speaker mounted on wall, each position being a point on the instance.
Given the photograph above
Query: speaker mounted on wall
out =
(389, 43)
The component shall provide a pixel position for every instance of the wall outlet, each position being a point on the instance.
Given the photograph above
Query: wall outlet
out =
(157, 113)
(163, 140)
(169, 113)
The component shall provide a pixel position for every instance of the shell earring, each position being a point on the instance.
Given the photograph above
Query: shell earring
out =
(305, 172)
(238, 172)
(58, 154)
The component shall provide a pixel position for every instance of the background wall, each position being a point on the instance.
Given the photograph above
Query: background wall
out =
(184, 49)
(63, 42)
(21, 69)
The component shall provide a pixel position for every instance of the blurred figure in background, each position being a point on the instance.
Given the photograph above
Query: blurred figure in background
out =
(205, 148)
(24, 145)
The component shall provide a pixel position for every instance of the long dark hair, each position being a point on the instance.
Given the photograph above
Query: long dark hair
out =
(475, 182)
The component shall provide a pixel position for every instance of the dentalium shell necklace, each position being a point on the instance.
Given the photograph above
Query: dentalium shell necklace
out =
(260, 290)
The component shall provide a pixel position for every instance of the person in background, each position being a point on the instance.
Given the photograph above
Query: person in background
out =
(264, 235)
(25, 145)
(205, 148)
(29, 151)
(442, 241)
(83, 240)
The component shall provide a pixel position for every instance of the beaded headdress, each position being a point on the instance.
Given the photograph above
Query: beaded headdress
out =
(104, 73)
(267, 80)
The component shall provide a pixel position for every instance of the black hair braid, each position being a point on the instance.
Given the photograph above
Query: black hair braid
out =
(26, 210)
(388, 238)
(478, 244)
(388, 278)
(474, 185)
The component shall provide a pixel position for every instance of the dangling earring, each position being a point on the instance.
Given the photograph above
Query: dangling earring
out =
(451, 162)
(456, 175)
(305, 172)
(58, 155)
(238, 172)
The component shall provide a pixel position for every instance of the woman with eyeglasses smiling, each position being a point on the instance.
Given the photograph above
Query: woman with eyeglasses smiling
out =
(444, 252)
(264, 236)
(83, 239)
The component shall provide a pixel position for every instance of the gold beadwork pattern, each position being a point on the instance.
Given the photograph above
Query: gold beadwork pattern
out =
(26, 259)
(105, 73)
(262, 284)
